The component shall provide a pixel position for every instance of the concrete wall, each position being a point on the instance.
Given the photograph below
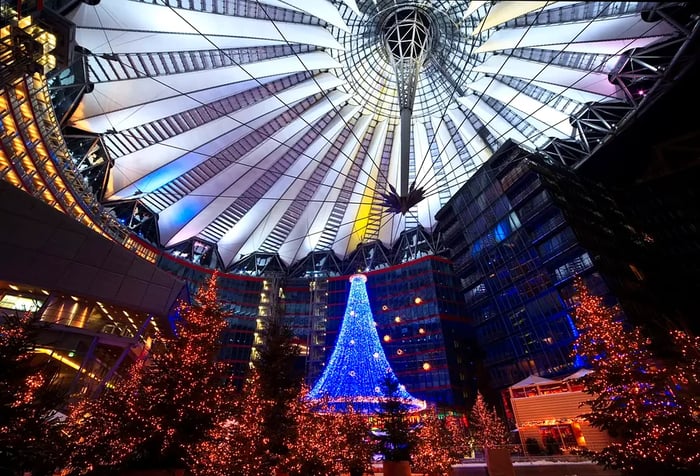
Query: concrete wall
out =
(42, 247)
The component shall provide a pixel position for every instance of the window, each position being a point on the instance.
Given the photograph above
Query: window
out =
(573, 267)
(20, 303)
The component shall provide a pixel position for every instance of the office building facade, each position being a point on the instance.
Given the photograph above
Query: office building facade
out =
(516, 256)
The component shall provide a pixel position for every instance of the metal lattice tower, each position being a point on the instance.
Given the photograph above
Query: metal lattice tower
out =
(407, 39)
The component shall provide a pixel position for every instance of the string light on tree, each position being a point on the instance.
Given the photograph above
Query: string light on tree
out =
(650, 403)
(29, 428)
(166, 411)
(441, 443)
(358, 365)
(489, 430)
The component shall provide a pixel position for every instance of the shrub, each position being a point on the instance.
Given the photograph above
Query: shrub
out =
(532, 446)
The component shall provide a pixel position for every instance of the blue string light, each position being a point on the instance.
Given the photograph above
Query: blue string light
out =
(357, 370)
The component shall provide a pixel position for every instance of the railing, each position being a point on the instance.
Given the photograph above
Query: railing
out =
(82, 204)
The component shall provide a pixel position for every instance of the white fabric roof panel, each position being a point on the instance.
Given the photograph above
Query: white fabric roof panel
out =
(501, 12)
(453, 169)
(279, 198)
(587, 81)
(322, 9)
(350, 232)
(122, 104)
(183, 220)
(116, 26)
(425, 176)
(515, 70)
(548, 119)
(148, 169)
(315, 216)
(600, 37)
(501, 128)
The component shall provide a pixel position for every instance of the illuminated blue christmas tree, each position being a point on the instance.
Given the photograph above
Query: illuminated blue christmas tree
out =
(358, 371)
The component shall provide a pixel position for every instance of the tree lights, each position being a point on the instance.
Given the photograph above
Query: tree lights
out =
(651, 404)
(169, 408)
(29, 428)
(358, 367)
(441, 443)
(488, 429)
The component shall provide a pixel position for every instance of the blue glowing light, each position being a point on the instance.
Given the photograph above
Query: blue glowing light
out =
(358, 368)
(501, 231)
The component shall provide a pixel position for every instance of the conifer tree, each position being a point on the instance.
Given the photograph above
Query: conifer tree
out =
(650, 404)
(237, 445)
(30, 430)
(331, 442)
(487, 427)
(103, 433)
(279, 383)
(356, 442)
(440, 445)
(399, 437)
(174, 402)
(316, 450)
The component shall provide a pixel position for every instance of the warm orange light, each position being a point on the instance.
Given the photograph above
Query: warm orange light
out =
(418, 300)
(426, 366)
(385, 307)
(397, 319)
(421, 330)
(387, 338)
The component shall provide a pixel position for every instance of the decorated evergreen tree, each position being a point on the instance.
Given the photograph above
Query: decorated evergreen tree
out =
(441, 443)
(279, 383)
(237, 445)
(357, 368)
(650, 404)
(356, 442)
(171, 405)
(30, 430)
(687, 363)
(398, 436)
(462, 439)
(488, 429)
(104, 432)
(317, 449)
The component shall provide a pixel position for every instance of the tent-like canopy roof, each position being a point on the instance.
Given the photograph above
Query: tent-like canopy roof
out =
(578, 374)
(532, 380)
(273, 125)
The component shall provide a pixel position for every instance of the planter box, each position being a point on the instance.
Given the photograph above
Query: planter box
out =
(154, 472)
(396, 468)
(498, 462)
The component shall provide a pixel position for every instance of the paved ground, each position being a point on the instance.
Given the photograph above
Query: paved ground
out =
(532, 468)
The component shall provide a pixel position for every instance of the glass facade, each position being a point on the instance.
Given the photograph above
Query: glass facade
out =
(516, 256)
(305, 310)
(243, 300)
(643, 238)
